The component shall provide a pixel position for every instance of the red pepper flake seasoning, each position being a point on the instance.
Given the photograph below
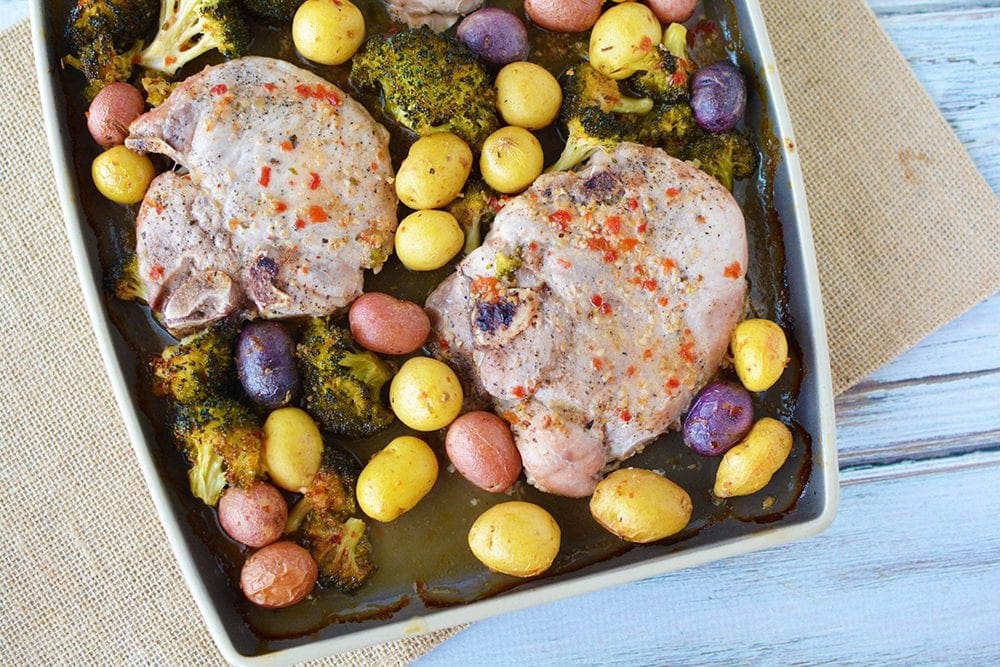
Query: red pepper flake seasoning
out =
(511, 418)
(625, 416)
(280, 207)
(317, 214)
(233, 224)
(219, 89)
(672, 384)
(641, 228)
(649, 285)
(265, 176)
(733, 270)
(156, 273)
(564, 263)
(613, 224)
(562, 218)
(287, 145)
(597, 363)
(633, 204)
(547, 421)
(647, 354)
(597, 300)
(159, 207)
(687, 351)
(673, 193)
(318, 92)
(630, 371)
(610, 254)
(646, 45)
(628, 245)
(700, 219)
(487, 288)
(270, 87)
(533, 247)
(519, 391)
(314, 180)
(169, 60)
(300, 223)
(442, 343)
(679, 78)
(373, 167)
(668, 264)
(663, 302)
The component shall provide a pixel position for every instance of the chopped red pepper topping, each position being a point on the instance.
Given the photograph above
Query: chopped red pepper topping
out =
(597, 300)
(562, 218)
(265, 176)
(280, 207)
(733, 270)
(625, 415)
(518, 391)
(270, 87)
(633, 204)
(156, 272)
(663, 302)
(649, 285)
(630, 371)
(673, 193)
(317, 214)
(219, 89)
(318, 92)
(597, 363)
(169, 60)
(687, 351)
(672, 384)
(300, 223)
(314, 180)
(614, 224)
(668, 264)
(287, 145)
(647, 354)
(628, 245)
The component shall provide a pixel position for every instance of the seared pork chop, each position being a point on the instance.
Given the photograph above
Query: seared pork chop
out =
(438, 15)
(286, 198)
(599, 303)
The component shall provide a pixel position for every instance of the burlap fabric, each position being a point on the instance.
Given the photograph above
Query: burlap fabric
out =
(907, 234)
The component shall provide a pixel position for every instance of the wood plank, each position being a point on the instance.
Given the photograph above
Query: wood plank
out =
(908, 573)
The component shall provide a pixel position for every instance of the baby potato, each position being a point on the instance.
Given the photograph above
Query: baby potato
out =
(255, 516)
(749, 466)
(397, 478)
(511, 160)
(122, 175)
(528, 95)
(326, 32)
(427, 240)
(425, 394)
(621, 36)
(563, 15)
(481, 447)
(760, 353)
(293, 448)
(112, 111)
(640, 506)
(516, 538)
(279, 575)
(387, 325)
(434, 171)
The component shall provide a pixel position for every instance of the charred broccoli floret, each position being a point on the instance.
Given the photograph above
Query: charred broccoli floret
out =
(725, 156)
(223, 442)
(125, 282)
(474, 209)
(430, 83)
(670, 127)
(667, 70)
(105, 38)
(199, 366)
(273, 10)
(589, 129)
(342, 385)
(337, 541)
(189, 28)
(584, 86)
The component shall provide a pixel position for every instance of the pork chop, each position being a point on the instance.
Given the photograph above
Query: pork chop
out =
(598, 304)
(438, 15)
(286, 198)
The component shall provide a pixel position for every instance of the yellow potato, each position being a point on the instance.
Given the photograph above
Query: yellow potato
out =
(434, 171)
(621, 38)
(328, 32)
(293, 448)
(516, 538)
(760, 353)
(427, 240)
(528, 95)
(425, 394)
(511, 160)
(750, 464)
(122, 175)
(640, 506)
(397, 478)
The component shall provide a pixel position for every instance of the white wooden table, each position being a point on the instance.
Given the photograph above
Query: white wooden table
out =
(910, 570)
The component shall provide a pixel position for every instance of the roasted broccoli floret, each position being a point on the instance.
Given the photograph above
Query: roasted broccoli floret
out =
(273, 10)
(589, 129)
(475, 209)
(670, 127)
(430, 83)
(584, 86)
(667, 69)
(725, 156)
(223, 442)
(157, 87)
(322, 518)
(196, 368)
(125, 282)
(342, 385)
(189, 28)
(105, 39)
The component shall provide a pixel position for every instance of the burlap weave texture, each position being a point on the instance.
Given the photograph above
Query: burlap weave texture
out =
(907, 236)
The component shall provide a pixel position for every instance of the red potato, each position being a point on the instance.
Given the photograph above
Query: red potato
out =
(387, 325)
(672, 11)
(112, 111)
(279, 575)
(256, 516)
(481, 447)
(564, 15)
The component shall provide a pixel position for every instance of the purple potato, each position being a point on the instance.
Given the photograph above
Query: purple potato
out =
(718, 96)
(495, 35)
(265, 364)
(718, 419)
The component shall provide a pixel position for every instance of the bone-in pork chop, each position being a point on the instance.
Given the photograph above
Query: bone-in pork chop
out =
(599, 303)
(286, 198)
